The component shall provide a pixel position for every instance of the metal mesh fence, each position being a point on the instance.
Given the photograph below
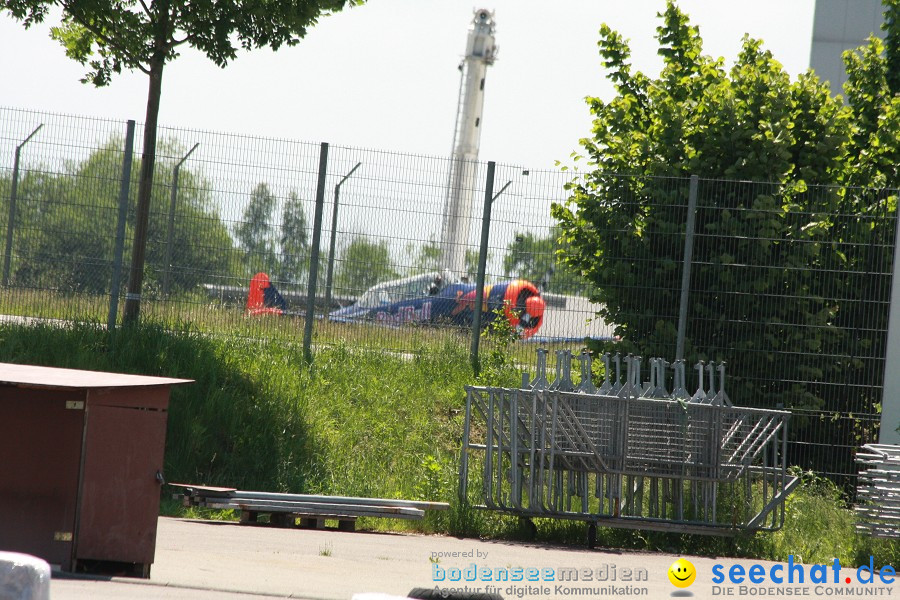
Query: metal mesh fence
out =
(53, 247)
(798, 285)
(386, 227)
(788, 284)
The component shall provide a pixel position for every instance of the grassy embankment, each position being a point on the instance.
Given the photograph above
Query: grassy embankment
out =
(370, 423)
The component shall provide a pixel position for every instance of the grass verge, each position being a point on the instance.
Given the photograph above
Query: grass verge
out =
(365, 422)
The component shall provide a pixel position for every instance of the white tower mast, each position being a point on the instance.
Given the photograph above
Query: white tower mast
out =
(480, 53)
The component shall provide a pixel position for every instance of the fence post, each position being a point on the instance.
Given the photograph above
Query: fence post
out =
(686, 268)
(10, 224)
(331, 245)
(482, 265)
(890, 395)
(314, 255)
(124, 192)
(170, 234)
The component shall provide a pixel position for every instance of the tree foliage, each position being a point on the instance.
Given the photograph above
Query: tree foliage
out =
(294, 242)
(763, 234)
(471, 263)
(282, 252)
(538, 259)
(108, 36)
(427, 257)
(364, 262)
(256, 231)
(66, 226)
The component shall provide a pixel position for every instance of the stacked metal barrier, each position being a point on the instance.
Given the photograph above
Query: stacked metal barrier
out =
(878, 490)
(627, 453)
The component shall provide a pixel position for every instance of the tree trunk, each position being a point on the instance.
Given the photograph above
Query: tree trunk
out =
(145, 189)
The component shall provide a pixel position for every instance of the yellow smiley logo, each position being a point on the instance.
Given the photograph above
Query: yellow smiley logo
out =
(682, 573)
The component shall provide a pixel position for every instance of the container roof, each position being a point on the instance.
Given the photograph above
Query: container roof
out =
(51, 377)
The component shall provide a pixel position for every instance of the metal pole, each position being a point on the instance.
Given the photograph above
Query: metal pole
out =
(118, 253)
(11, 222)
(314, 255)
(686, 268)
(334, 213)
(482, 263)
(171, 232)
(890, 396)
(482, 266)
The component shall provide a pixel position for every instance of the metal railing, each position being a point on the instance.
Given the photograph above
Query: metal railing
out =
(630, 454)
(878, 491)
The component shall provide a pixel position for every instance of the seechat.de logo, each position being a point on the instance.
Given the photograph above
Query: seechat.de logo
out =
(795, 572)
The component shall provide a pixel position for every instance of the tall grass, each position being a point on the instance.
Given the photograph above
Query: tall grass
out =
(372, 423)
(214, 317)
(357, 422)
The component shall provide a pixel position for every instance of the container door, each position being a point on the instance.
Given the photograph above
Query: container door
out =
(40, 457)
(120, 498)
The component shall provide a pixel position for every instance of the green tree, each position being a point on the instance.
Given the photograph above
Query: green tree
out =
(772, 138)
(202, 248)
(65, 228)
(427, 257)
(66, 224)
(255, 232)
(538, 259)
(364, 262)
(294, 242)
(472, 263)
(111, 35)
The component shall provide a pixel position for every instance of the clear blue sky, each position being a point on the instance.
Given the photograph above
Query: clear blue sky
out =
(384, 75)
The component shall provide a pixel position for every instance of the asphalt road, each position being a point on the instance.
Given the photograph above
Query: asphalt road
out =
(205, 560)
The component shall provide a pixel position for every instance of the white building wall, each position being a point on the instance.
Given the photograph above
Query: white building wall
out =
(841, 25)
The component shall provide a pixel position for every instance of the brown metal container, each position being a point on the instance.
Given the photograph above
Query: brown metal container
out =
(81, 462)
